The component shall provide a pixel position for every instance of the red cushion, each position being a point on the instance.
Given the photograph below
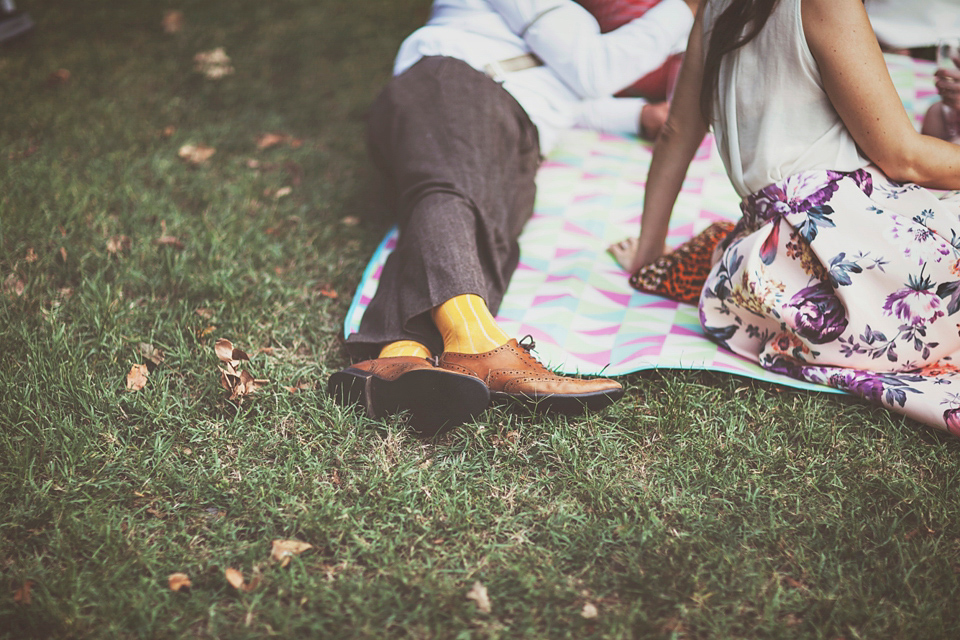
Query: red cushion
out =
(611, 14)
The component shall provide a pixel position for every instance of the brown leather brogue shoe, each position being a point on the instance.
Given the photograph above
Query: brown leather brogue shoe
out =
(513, 373)
(436, 399)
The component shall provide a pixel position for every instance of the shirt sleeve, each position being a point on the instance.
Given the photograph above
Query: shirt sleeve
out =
(568, 40)
(610, 115)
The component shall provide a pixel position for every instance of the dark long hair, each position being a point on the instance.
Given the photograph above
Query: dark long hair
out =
(736, 26)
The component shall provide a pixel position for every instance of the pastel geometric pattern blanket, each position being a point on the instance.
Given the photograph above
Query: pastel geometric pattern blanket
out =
(573, 298)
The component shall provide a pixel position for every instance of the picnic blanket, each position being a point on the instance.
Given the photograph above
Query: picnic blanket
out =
(574, 299)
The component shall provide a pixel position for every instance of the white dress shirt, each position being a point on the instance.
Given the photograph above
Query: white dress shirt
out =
(582, 68)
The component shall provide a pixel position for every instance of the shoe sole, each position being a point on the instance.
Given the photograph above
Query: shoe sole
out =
(435, 400)
(567, 404)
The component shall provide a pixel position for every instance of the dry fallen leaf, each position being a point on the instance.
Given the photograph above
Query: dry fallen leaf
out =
(179, 581)
(196, 154)
(60, 76)
(169, 241)
(282, 191)
(14, 284)
(327, 292)
(63, 254)
(227, 352)
(300, 386)
(214, 64)
(137, 378)
(205, 331)
(589, 611)
(31, 255)
(238, 383)
(478, 593)
(118, 244)
(172, 21)
(22, 595)
(151, 353)
(283, 550)
(267, 140)
(236, 580)
(204, 312)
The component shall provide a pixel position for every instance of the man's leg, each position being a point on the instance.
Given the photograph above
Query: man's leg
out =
(463, 156)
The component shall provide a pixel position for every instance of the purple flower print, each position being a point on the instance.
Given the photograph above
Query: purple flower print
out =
(866, 385)
(799, 192)
(916, 307)
(952, 419)
(820, 315)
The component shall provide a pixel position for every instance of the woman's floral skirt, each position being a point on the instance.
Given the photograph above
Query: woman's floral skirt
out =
(847, 280)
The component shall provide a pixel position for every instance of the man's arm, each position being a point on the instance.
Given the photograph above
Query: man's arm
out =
(568, 40)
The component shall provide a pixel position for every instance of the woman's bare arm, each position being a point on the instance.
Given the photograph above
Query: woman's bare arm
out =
(856, 79)
(676, 145)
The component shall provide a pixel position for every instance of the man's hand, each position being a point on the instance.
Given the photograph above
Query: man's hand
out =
(652, 118)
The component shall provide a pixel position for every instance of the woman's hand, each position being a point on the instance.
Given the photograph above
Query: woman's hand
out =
(631, 257)
(948, 86)
(623, 252)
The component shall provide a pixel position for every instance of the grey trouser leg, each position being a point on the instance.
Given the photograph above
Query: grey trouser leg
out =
(460, 155)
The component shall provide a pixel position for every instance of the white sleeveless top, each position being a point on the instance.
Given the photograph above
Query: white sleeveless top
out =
(773, 118)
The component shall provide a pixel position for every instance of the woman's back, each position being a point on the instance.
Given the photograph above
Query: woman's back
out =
(773, 117)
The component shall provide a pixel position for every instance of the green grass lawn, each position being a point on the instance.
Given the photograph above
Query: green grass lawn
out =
(702, 506)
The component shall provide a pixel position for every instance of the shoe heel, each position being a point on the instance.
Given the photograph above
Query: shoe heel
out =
(352, 387)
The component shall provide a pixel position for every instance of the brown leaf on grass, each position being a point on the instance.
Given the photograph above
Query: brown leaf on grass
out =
(58, 77)
(137, 378)
(271, 139)
(919, 531)
(238, 383)
(151, 353)
(203, 332)
(179, 581)
(169, 241)
(196, 154)
(283, 550)
(267, 140)
(31, 256)
(237, 581)
(63, 254)
(204, 313)
(300, 386)
(168, 131)
(478, 593)
(234, 577)
(118, 244)
(172, 21)
(22, 595)
(14, 284)
(227, 352)
(328, 292)
(213, 64)
(282, 192)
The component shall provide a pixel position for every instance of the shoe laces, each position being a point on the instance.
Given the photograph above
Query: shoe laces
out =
(527, 342)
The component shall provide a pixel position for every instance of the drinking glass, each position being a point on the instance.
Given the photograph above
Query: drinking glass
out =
(948, 57)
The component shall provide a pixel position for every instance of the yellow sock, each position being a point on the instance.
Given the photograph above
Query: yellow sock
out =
(404, 348)
(467, 326)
